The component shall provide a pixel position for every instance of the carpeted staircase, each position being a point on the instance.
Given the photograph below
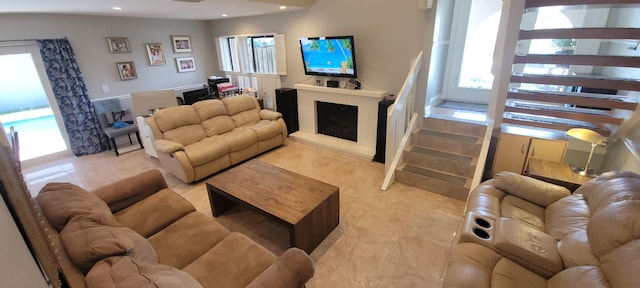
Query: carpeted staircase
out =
(442, 157)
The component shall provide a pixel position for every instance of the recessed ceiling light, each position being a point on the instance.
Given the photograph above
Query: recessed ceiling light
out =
(283, 7)
(224, 15)
(116, 8)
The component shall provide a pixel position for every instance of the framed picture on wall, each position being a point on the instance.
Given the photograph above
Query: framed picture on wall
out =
(186, 64)
(181, 44)
(155, 52)
(127, 70)
(118, 44)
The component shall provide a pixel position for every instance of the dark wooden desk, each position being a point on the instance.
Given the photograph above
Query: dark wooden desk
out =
(556, 173)
(310, 208)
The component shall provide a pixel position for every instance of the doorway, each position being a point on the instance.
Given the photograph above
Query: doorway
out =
(27, 104)
(474, 30)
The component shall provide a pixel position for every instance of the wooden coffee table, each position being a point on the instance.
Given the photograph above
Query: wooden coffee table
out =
(310, 208)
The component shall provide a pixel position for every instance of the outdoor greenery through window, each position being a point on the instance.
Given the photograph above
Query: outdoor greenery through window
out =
(251, 54)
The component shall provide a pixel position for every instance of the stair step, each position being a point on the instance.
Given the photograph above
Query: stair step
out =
(440, 161)
(407, 176)
(458, 137)
(442, 154)
(452, 179)
(448, 145)
(455, 126)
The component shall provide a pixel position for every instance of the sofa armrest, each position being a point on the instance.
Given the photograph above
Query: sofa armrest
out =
(166, 146)
(292, 269)
(530, 189)
(269, 115)
(124, 193)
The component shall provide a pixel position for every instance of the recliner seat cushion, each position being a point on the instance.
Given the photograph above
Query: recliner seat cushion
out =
(240, 138)
(207, 150)
(519, 209)
(581, 276)
(187, 239)
(125, 271)
(574, 250)
(146, 219)
(474, 265)
(232, 268)
(266, 129)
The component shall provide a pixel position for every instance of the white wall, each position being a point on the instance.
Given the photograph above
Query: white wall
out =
(87, 35)
(620, 158)
(388, 35)
(17, 268)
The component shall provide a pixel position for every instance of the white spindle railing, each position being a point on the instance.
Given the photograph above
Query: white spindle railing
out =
(401, 119)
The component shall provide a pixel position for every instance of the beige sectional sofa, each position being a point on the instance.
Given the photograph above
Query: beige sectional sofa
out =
(195, 141)
(138, 233)
(522, 232)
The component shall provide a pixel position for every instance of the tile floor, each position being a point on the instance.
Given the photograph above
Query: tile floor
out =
(395, 238)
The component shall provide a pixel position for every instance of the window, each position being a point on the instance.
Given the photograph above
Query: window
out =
(259, 54)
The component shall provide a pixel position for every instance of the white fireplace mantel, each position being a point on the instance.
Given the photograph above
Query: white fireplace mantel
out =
(365, 100)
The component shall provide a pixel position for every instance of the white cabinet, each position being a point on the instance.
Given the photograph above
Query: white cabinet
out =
(515, 150)
(145, 136)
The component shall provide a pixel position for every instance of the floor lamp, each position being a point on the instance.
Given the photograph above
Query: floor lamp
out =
(588, 136)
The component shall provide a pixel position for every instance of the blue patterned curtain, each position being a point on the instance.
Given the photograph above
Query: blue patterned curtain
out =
(70, 91)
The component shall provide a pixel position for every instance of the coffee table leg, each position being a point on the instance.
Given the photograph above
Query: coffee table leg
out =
(219, 203)
(316, 226)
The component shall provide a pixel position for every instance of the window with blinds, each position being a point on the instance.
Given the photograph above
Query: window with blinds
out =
(576, 64)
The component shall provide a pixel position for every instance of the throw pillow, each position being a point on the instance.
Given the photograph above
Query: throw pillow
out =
(128, 272)
(90, 238)
(60, 202)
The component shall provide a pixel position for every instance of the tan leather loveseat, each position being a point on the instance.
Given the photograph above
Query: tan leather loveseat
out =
(522, 232)
(195, 141)
(138, 233)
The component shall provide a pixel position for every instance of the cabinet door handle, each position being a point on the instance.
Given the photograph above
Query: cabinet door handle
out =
(522, 149)
(533, 153)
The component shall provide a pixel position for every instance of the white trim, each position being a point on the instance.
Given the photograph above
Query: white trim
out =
(390, 176)
(177, 88)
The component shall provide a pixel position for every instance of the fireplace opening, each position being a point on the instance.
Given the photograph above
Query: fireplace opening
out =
(337, 120)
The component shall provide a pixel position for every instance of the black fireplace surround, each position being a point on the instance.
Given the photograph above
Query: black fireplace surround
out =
(337, 120)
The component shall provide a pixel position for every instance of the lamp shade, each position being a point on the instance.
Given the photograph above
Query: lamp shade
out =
(586, 135)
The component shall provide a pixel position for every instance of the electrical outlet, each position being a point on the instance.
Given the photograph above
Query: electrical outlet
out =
(105, 89)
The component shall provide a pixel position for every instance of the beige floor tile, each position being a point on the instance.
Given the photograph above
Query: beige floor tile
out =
(395, 238)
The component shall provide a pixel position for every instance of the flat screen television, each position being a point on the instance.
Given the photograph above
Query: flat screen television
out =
(329, 56)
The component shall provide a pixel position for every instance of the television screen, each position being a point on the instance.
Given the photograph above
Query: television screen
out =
(329, 56)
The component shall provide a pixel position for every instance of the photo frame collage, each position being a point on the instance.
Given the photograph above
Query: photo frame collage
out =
(155, 53)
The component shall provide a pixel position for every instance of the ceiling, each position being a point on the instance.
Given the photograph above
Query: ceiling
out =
(168, 9)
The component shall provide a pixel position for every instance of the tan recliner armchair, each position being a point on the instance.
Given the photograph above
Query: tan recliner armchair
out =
(522, 232)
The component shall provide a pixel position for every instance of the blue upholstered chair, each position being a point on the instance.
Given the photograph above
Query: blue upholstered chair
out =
(109, 111)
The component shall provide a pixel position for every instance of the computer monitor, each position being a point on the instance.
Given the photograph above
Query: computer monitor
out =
(194, 96)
